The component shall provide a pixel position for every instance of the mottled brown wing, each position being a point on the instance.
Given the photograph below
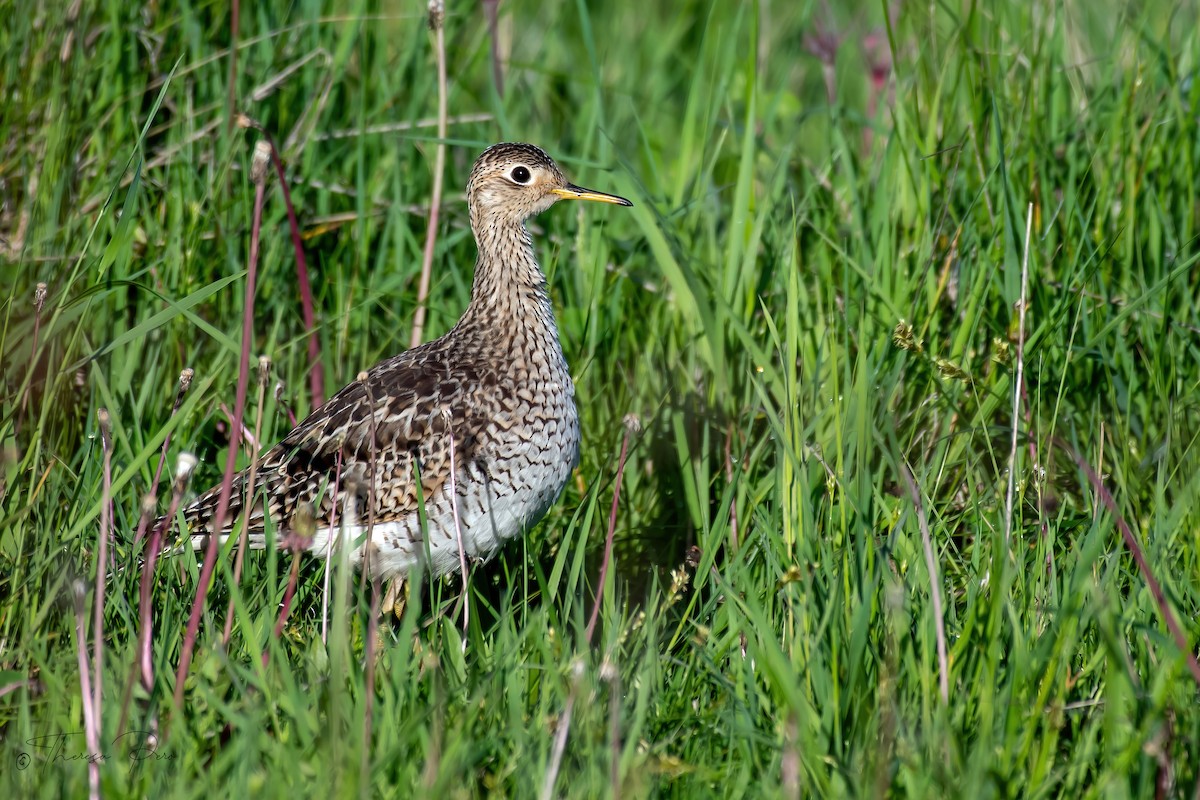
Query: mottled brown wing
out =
(418, 397)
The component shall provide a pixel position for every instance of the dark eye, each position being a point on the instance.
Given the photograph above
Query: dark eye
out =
(521, 174)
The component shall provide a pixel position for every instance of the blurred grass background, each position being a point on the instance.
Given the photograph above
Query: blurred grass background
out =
(816, 291)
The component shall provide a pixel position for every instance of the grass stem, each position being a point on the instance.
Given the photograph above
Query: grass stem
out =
(1018, 382)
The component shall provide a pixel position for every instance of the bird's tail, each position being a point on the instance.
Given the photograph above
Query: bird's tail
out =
(199, 523)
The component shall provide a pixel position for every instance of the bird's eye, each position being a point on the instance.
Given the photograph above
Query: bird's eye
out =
(521, 174)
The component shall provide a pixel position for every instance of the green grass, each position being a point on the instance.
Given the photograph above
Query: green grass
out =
(787, 219)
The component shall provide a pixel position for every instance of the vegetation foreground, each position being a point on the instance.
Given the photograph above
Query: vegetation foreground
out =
(889, 388)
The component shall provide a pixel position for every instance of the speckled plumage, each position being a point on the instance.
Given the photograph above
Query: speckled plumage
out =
(496, 385)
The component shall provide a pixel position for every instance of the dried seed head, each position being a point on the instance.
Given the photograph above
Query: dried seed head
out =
(184, 466)
(264, 370)
(105, 428)
(149, 505)
(260, 161)
(437, 14)
(39, 297)
(185, 379)
(632, 423)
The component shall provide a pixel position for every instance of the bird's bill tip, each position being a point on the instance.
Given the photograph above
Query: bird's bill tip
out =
(573, 192)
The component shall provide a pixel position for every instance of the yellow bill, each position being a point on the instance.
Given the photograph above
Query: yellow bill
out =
(573, 192)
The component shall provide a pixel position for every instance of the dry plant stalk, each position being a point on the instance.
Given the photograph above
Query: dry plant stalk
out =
(367, 570)
(560, 735)
(333, 526)
(612, 676)
(91, 723)
(1017, 388)
(106, 518)
(183, 474)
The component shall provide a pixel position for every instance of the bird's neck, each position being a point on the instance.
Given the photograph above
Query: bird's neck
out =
(509, 297)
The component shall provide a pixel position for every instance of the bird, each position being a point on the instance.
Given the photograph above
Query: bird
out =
(477, 430)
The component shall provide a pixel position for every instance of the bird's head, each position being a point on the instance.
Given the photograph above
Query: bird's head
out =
(512, 182)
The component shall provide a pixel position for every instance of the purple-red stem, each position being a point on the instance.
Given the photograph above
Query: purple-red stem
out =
(152, 552)
(185, 381)
(1160, 599)
(282, 401)
(286, 607)
(316, 374)
(264, 371)
(370, 569)
(608, 539)
(210, 552)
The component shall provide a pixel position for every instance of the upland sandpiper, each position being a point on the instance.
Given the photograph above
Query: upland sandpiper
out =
(479, 425)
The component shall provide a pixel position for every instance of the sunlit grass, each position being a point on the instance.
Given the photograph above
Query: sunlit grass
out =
(816, 290)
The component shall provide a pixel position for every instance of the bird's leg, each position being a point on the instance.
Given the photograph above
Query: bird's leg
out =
(395, 599)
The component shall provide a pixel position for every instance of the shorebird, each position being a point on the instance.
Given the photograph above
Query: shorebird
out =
(478, 427)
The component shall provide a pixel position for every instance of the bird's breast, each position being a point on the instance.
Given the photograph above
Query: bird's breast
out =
(529, 449)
